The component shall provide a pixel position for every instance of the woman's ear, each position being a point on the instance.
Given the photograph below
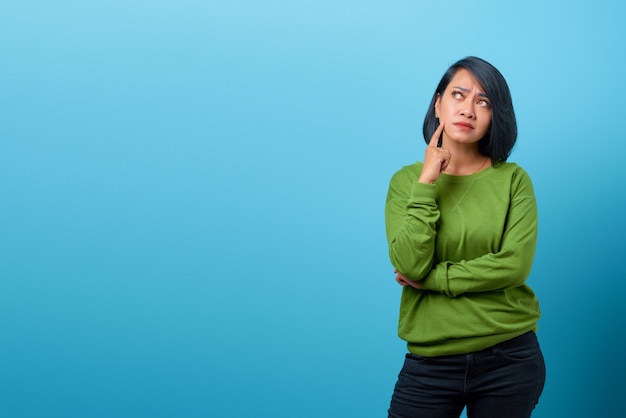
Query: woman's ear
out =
(437, 105)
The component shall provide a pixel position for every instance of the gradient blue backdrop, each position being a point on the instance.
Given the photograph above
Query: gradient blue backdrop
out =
(192, 198)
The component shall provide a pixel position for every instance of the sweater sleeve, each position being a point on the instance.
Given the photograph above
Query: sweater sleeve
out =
(411, 214)
(508, 267)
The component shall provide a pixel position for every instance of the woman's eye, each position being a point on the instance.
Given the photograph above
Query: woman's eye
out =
(457, 95)
(484, 102)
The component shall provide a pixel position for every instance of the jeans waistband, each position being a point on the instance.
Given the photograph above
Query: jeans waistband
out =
(524, 339)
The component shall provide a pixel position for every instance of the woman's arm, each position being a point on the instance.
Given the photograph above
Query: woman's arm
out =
(411, 214)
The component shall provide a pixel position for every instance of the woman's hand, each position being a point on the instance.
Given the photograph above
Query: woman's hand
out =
(436, 159)
(403, 281)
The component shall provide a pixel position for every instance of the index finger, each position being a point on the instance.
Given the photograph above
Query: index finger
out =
(434, 140)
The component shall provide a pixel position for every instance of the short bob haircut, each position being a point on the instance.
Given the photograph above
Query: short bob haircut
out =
(499, 140)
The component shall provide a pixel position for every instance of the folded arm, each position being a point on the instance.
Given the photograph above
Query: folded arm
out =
(510, 266)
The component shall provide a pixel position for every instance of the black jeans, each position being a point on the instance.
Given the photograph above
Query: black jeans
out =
(503, 381)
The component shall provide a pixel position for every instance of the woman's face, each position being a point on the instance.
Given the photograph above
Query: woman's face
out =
(464, 109)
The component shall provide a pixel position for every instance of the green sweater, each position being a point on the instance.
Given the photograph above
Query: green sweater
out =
(470, 241)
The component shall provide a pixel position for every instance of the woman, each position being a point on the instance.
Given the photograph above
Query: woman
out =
(462, 228)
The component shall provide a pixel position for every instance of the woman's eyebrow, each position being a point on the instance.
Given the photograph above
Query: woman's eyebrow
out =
(465, 90)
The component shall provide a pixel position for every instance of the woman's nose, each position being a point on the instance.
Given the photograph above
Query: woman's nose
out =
(468, 112)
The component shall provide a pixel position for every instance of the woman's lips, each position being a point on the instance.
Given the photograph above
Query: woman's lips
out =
(464, 125)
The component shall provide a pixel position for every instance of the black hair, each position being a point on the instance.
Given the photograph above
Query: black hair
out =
(499, 140)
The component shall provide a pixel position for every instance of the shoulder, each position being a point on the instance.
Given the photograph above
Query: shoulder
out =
(408, 173)
(402, 180)
(513, 170)
(518, 179)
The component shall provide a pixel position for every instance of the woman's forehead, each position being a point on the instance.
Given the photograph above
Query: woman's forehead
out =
(463, 79)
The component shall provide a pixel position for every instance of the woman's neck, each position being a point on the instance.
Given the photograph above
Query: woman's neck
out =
(466, 161)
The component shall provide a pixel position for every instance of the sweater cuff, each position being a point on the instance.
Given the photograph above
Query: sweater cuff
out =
(421, 192)
(437, 280)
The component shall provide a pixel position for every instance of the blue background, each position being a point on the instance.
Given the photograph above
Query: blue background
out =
(192, 198)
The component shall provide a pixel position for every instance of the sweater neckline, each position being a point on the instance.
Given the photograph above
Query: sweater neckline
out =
(448, 178)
